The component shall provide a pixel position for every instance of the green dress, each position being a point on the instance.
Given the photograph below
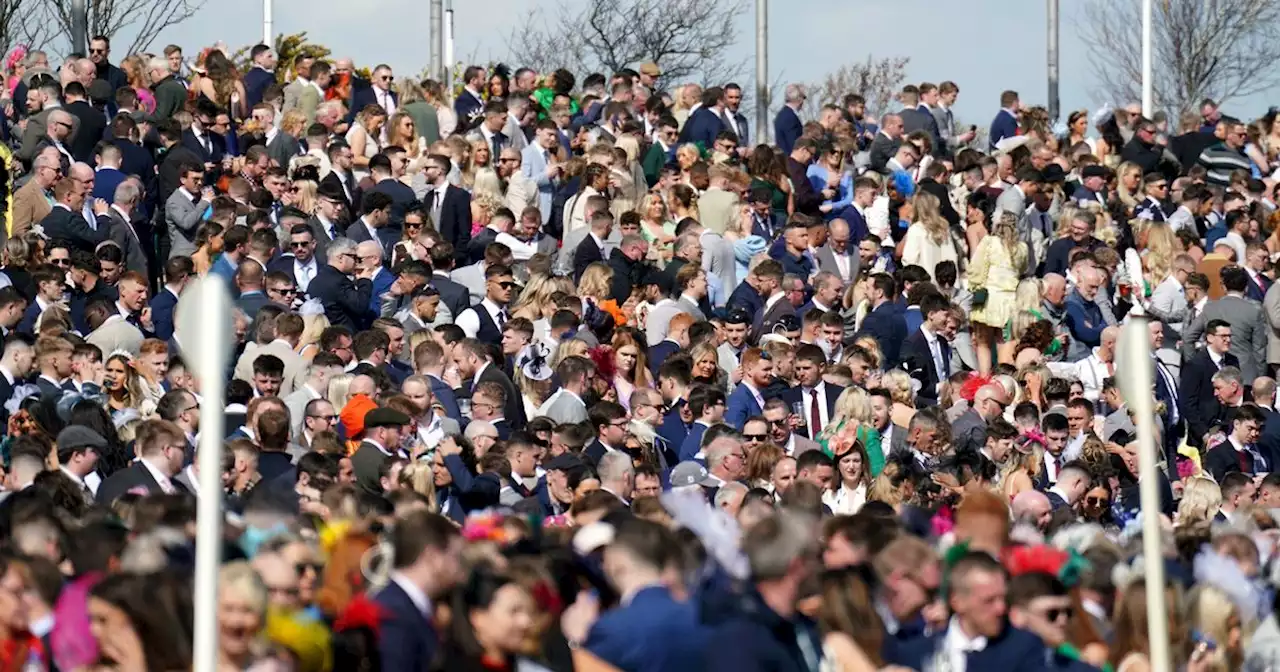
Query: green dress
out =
(779, 199)
(842, 437)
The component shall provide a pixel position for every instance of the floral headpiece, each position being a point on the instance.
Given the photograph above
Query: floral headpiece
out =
(1068, 566)
(15, 57)
(486, 526)
(361, 612)
(1029, 437)
(602, 355)
(971, 386)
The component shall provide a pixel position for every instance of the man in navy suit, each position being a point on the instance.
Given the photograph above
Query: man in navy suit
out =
(386, 170)
(674, 377)
(787, 126)
(426, 567)
(610, 423)
(261, 75)
(1255, 262)
(984, 639)
(448, 206)
(178, 271)
(1199, 405)
(732, 118)
(705, 123)
(65, 221)
(1239, 452)
(816, 396)
(1005, 125)
(926, 355)
(708, 407)
(159, 461)
(884, 323)
(592, 247)
(651, 631)
(453, 295)
(378, 92)
(469, 105)
(345, 300)
(747, 400)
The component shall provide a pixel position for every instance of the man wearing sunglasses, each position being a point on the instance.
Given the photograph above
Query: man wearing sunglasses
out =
(487, 320)
(1039, 603)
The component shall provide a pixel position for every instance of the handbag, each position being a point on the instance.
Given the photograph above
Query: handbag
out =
(979, 297)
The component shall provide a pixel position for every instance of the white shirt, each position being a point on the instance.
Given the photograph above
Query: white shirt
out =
(469, 320)
(843, 265)
(808, 397)
(935, 351)
(373, 235)
(416, 595)
(303, 274)
(958, 645)
(190, 471)
(381, 448)
(77, 480)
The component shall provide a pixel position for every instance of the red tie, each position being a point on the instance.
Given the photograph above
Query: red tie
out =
(815, 425)
(1244, 462)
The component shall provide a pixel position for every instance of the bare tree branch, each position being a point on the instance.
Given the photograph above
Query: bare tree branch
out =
(144, 19)
(876, 80)
(687, 38)
(1218, 49)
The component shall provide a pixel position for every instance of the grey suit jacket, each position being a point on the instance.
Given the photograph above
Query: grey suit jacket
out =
(36, 132)
(116, 334)
(295, 368)
(534, 167)
(1169, 304)
(1012, 200)
(283, 147)
(827, 262)
(1271, 304)
(718, 259)
(1249, 332)
(897, 440)
(123, 234)
(183, 218)
(564, 408)
(471, 277)
(292, 91)
(658, 321)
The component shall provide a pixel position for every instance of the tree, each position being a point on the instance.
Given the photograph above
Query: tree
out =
(144, 19)
(686, 38)
(20, 23)
(1218, 49)
(877, 80)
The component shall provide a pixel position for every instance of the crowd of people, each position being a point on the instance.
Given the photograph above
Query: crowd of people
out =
(549, 373)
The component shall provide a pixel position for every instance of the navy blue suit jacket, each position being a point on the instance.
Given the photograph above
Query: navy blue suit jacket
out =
(1255, 291)
(256, 82)
(787, 128)
(1003, 126)
(885, 324)
(623, 636)
(917, 359)
(702, 128)
(162, 314)
(673, 431)
(218, 143)
(1199, 406)
(692, 442)
(441, 391)
(658, 353)
(741, 405)
(1014, 649)
(408, 640)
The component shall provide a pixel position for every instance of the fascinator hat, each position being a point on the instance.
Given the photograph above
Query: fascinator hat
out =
(533, 361)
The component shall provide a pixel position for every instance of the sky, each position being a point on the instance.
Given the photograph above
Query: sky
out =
(985, 46)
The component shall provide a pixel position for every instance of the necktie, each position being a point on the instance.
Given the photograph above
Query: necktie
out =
(1244, 462)
(815, 426)
(497, 146)
(945, 351)
(207, 143)
(333, 232)
(195, 199)
(502, 319)
(431, 200)
(1057, 466)
(1191, 315)
(1259, 462)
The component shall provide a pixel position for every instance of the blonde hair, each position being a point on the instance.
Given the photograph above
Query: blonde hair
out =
(852, 406)
(1027, 296)
(898, 384)
(1030, 462)
(1160, 249)
(596, 281)
(312, 327)
(1209, 610)
(574, 347)
(239, 578)
(338, 393)
(487, 184)
(1127, 197)
(1201, 499)
(304, 198)
(419, 477)
(929, 213)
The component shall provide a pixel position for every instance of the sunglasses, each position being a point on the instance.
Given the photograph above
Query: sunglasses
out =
(285, 291)
(302, 567)
(1053, 615)
(299, 245)
(330, 418)
(507, 285)
(754, 438)
(1096, 501)
(60, 262)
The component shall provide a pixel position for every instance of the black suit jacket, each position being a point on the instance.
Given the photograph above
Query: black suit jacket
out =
(795, 395)
(513, 410)
(353, 203)
(1223, 459)
(584, 255)
(218, 143)
(455, 221)
(170, 173)
(918, 361)
(401, 198)
(346, 301)
(135, 476)
(91, 127)
(70, 226)
(1199, 407)
(479, 242)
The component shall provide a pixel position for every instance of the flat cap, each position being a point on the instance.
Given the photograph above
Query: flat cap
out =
(78, 436)
(385, 417)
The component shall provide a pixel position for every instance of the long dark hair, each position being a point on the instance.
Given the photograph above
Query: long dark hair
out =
(159, 607)
(92, 415)
(477, 592)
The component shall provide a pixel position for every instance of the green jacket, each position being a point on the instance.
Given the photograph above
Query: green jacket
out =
(171, 96)
(653, 162)
(425, 119)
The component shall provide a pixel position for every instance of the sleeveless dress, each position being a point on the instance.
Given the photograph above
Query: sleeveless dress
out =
(370, 149)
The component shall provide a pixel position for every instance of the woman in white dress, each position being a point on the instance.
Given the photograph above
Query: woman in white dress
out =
(363, 139)
(853, 470)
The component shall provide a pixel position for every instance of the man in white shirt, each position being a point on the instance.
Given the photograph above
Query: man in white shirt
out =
(302, 244)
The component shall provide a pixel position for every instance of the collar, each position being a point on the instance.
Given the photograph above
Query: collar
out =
(160, 476)
(773, 298)
(957, 640)
(71, 475)
(1058, 491)
(416, 594)
(381, 448)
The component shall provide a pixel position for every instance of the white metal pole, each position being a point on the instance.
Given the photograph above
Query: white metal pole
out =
(762, 70)
(204, 315)
(1137, 382)
(268, 30)
(437, 40)
(1053, 60)
(448, 50)
(1148, 104)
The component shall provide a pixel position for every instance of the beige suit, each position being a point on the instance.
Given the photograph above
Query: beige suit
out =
(308, 101)
(116, 334)
(29, 207)
(718, 209)
(521, 193)
(295, 368)
(292, 91)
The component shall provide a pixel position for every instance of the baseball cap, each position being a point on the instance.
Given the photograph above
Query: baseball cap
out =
(690, 473)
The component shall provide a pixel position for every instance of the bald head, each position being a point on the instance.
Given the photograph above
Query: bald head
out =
(59, 125)
(362, 385)
(81, 172)
(368, 249)
(1032, 506)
